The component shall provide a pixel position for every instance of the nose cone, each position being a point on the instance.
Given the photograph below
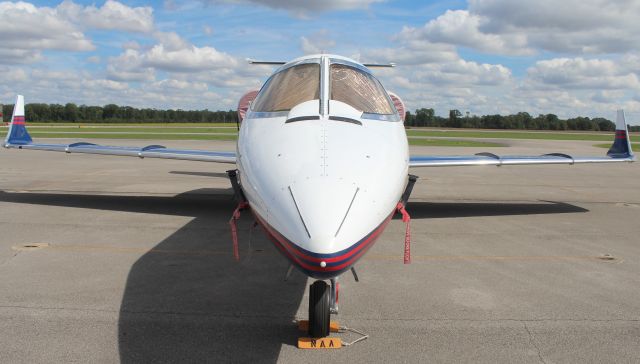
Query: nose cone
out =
(323, 205)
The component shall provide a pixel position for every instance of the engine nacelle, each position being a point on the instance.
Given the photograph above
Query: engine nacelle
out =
(245, 101)
(399, 104)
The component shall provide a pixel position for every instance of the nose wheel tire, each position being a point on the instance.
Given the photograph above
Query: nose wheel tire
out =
(319, 309)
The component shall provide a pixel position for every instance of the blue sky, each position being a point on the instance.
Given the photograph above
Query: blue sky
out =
(481, 56)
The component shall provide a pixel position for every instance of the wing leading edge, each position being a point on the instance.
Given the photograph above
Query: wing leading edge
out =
(620, 151)
(18, 137)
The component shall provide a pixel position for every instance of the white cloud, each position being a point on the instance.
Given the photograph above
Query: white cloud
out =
(408, 53)
(431, 73)
(26, 30)
(52, 86)
(526, 27)
(459, 73)
(171, 41)
(192, 72)
(16, 56)
(10, 74)
(571, 26)
(593, 55)
(608, 96)
(132, 44)
(503, 15)
(172, 53)
(304, 7)
(579, 73)
(128, 67)
(102, 84)
(459, 27)
(190, 59)
(317, 42)
(68, 86)
(113, 15)
(178, 85)
(27, 27)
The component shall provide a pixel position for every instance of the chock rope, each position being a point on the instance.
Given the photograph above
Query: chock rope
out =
(362, 337)
(234, 228)
(407, 234)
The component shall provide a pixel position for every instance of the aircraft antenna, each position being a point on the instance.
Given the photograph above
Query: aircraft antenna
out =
(388, 65)
(271, 63)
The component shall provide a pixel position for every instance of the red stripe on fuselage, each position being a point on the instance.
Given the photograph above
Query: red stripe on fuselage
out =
(296, 256)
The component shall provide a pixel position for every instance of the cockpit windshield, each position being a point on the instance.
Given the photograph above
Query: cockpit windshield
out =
(288, 88)
(359, 89)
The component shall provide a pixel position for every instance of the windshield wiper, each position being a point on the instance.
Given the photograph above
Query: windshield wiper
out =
(302, 118)
(346, 120)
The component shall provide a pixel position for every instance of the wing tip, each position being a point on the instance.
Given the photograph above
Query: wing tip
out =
(621, 147)
(17, 133)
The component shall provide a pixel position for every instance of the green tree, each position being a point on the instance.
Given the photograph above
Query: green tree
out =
(454, 118)
(71, 112)
(604, 124)
(425, 117)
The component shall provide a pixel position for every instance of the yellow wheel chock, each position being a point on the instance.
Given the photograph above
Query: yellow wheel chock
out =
(329, 342)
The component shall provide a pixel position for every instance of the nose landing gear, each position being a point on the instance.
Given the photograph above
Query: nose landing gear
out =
(319, 309)
(323, 301)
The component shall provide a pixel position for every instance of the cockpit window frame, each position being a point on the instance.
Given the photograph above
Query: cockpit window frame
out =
(272, 114)
(325, 89)
(372, 116)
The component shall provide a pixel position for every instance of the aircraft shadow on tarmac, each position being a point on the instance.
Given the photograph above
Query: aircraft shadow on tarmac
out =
(433, 210)
(187, 300)
(202, 174)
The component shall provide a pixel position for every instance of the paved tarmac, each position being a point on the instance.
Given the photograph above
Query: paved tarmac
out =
(106, 259)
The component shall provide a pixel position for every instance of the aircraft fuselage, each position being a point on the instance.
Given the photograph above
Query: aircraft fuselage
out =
(322, 179)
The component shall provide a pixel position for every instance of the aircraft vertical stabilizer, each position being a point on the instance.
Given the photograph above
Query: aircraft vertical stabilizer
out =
(18, 134)
(621, 147)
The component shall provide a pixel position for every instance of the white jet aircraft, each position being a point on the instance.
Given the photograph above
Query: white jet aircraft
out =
(323, 164)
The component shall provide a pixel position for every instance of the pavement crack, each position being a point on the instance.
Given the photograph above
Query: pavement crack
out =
(533, 343)
(6, 261)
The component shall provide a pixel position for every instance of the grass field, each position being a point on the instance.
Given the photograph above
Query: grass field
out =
(453, 143)
(547, 135)
(136, 135)
(133, 130)
(218, 131)
(210, 136)
(634, 146)
(135, 125)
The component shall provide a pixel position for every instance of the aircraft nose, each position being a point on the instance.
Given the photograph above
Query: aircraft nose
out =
(324, 205)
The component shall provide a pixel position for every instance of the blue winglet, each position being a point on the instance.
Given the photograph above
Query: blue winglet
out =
(621, 147)
(18, 134)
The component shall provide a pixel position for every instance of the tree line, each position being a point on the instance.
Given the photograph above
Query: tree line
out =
(72, 113)
(521, 120)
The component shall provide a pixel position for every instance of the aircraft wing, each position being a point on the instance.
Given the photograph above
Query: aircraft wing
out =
(18, 137)
(620, 151)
